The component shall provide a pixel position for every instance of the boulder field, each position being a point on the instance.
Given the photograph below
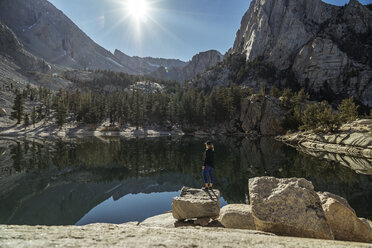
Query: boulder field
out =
(284, 207)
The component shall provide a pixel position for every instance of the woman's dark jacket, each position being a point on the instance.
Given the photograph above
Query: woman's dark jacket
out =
(208, 158)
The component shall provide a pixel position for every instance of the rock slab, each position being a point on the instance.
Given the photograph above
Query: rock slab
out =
(196, 203)
(132, 235)
(288, 207)
(238, 216)
(342, 219)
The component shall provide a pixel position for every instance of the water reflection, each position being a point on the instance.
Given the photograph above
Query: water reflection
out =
(80, 181)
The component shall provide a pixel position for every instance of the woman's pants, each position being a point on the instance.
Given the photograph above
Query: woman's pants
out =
(208, 171)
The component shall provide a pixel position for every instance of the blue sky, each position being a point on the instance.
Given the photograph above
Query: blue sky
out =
(173, 29)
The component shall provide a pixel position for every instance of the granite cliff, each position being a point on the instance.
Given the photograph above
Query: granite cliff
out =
(327, 47)
(198, 64)
(323, 48)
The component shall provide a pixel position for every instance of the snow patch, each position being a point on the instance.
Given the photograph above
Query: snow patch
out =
(113, 61)
(33, 25)
(153, 65)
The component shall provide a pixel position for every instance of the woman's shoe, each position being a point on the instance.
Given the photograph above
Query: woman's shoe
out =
(205, 188)
(210, 187)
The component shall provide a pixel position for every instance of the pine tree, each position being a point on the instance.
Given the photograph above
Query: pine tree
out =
(47, 107)
(348, 111)
(286, 97)
(26, 120)
(61, 114)
(33, 116)
(320, 118)
(274, 92)
(18, 107)
(262, 91)
(39, 111)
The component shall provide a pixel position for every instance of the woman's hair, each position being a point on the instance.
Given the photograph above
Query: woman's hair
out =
(211, 146)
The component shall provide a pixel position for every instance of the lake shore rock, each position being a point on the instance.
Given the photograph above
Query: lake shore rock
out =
(196, 203)
(134, 235)
(342, 219)
(351, 146)
(288, 207)
(237, 216)
(263, 115)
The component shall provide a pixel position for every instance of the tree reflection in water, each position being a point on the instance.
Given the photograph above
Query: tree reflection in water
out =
(47, 163)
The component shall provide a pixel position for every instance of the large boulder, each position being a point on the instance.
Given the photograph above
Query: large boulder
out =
(196, 203)
(237, 216)
(342, 219)
(263, 115)
(289, 207)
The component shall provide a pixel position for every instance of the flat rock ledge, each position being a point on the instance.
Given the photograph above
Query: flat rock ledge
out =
(134, 235)
(351, 146)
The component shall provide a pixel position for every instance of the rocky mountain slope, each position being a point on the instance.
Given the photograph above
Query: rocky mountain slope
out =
(18, 68)
(146, 65)
(12, 49)
(324, 48)
(47, 33)
(327, 47)
(198, 64)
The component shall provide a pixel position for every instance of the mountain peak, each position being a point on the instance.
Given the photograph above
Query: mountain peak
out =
(275, 29)
(47, 33)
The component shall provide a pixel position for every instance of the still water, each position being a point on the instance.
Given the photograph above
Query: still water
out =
(82, 181)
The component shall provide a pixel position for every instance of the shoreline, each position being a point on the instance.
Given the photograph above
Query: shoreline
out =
(351, 146)
(41, 130)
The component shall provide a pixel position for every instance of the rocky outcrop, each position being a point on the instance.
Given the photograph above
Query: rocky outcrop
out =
(196, 203)
(237, 216)
(321, 66)
(325, 46)
(288, 207)
(147, 65)
(12, 48)
(351, 146)
(342, 219)
(133, 235)
(278, 29)
(47, 33)
(263, 115)
(198, 64)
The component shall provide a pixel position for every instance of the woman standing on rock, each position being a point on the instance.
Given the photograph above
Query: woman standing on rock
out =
(208, 165)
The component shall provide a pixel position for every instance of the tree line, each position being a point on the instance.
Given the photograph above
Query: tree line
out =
(187, 107)
(178, 106)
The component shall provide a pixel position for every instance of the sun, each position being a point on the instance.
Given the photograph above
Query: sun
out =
(137, 9)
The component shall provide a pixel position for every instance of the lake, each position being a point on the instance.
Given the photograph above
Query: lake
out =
(115, 180)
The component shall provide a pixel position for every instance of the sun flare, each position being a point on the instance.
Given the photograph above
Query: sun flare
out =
(137, 9)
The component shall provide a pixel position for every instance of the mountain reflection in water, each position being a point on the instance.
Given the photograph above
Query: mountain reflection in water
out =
(81, 181)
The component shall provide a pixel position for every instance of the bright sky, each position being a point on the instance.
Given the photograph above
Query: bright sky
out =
(160, 28)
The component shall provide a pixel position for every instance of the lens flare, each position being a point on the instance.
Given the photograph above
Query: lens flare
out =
(137, 9)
